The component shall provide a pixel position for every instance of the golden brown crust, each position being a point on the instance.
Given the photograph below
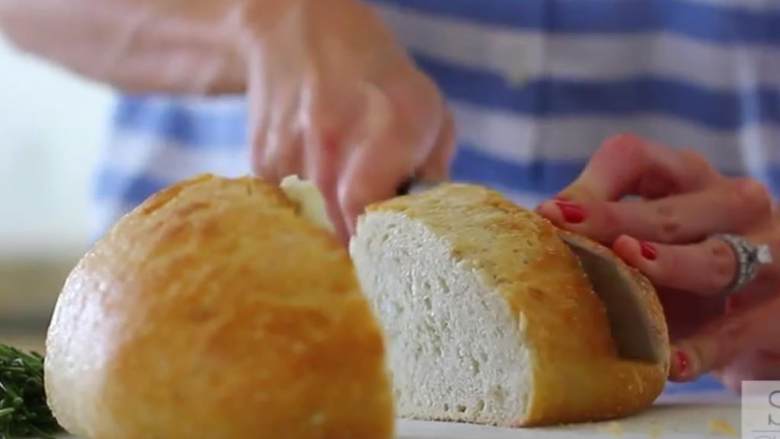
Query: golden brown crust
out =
(577, 373)
(214, 310)
(646, 293)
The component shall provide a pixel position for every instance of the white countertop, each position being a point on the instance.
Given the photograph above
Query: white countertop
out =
(668, 419)
(678, 417)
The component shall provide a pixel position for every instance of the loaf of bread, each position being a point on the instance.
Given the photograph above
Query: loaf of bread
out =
(216, 310)
(226, 308)
(490, 317)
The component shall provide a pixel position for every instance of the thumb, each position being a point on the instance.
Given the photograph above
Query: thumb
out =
(723, 341)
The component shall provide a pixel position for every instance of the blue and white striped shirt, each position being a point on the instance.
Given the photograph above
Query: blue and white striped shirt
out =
(535, 85)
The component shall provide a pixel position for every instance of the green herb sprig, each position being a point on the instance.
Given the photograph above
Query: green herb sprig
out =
(23, 408)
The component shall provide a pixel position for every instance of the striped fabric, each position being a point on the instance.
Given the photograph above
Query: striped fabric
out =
(535, 85)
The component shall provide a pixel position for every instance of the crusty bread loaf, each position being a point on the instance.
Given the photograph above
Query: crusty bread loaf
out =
(214, 310)
(491, 318)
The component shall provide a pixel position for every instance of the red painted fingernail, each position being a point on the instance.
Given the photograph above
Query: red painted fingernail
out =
(682, 364)
(648, 250)
(572, 213)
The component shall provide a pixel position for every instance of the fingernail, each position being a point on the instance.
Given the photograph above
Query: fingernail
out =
(572, 213)
(561, 197)
(648, 250)
(682, 364)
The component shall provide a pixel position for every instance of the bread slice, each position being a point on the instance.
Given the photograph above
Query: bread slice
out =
(491, 318)
(215, 310)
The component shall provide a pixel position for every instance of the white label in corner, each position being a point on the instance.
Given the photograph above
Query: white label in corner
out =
(761, 409)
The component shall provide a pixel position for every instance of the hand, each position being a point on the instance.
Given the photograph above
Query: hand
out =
(665, 233)
(335, 100)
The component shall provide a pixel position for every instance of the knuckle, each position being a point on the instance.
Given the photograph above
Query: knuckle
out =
(622, 142)
(697, 165)
(624, 146)
(670, 231)
(695, 160)
(721, 250)
(752, 196)
(722, 265)
(669, 224)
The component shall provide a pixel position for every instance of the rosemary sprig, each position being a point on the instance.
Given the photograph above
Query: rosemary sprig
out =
(23, 408)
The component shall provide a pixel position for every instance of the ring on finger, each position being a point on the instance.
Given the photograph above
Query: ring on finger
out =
(749, 258)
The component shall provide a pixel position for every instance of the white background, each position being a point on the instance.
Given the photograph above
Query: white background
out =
(51, 128)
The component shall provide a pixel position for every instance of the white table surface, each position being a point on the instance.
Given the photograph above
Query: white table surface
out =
(678, 417)
(706, 415)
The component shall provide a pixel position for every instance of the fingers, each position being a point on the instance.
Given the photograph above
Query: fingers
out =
(284, 158)
(735, 205)
(364, 183)
(323, 155)
(325, 174)
(276, 135)
(725, 341)
(705, 268)
(283, 152)
(357, 135)
(684, 201)
(386, 158)
(626, 165)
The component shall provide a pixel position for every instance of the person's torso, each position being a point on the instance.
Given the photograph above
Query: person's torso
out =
(535, 86)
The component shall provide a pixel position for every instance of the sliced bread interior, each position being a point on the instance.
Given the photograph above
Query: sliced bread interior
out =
(490, 317)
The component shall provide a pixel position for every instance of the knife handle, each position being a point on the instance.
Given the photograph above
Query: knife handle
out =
(405, 187)
(413, 186)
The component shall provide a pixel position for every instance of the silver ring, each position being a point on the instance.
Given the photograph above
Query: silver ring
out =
(749, 258)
